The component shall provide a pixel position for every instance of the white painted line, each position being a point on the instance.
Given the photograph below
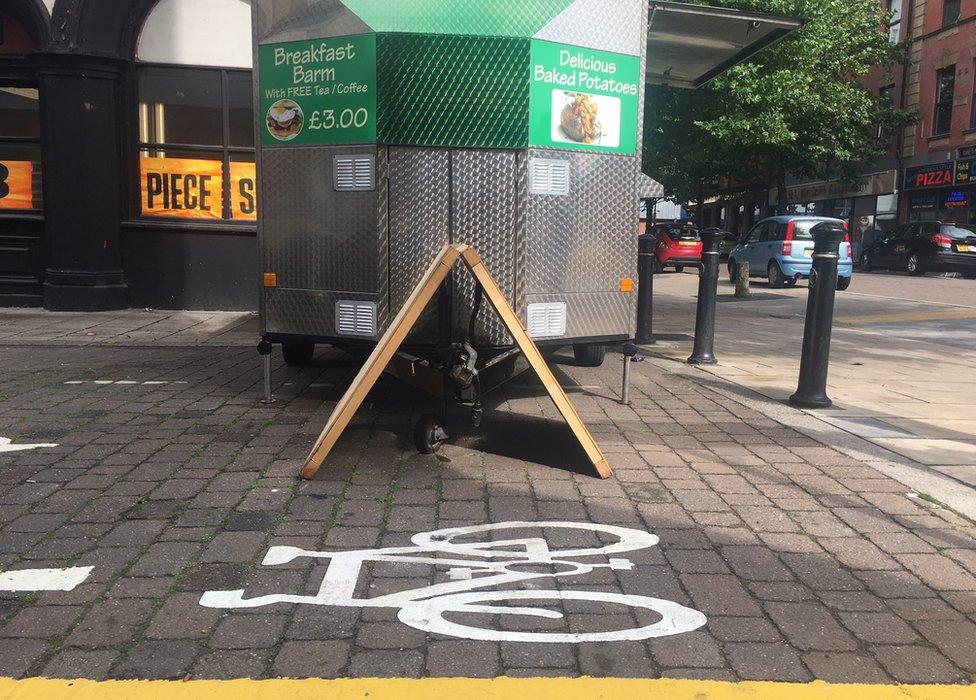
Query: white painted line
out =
(127, 381)
(153, 383)
(75, 382)
(7, 446)
(44, 579)
(104, 381)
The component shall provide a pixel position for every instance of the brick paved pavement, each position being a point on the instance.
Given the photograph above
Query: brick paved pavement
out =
(807, 563)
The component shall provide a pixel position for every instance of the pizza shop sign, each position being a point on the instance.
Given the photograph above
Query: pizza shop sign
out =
(935, 175)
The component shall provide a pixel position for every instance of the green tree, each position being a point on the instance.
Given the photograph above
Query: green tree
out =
(797, 108)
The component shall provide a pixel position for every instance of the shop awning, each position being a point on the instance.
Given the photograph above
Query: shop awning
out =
(690, 45)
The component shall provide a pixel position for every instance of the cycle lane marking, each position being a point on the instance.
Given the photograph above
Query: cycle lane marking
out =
(7, 445)
(30, 580)
(424, 608)
(487, 689)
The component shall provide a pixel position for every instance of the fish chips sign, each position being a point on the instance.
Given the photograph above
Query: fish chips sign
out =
(188, 188)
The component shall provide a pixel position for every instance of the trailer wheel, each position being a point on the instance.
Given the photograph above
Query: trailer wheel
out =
(298, 353)
(589, 355)
(428, 434)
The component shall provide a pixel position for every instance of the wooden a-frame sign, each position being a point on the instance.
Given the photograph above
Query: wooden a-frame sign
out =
(397, 333)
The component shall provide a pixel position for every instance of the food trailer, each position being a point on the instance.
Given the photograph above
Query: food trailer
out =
(391, 128)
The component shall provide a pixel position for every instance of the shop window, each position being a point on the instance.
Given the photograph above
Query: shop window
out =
(196, 133)
(950, 12)
(886, 96)
(20, 149)
(945, 89)
(894, 27)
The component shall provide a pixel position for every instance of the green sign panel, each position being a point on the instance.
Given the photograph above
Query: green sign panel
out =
(582, 99)
(318, 91)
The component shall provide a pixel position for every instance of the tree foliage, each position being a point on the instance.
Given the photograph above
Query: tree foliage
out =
(797, 108)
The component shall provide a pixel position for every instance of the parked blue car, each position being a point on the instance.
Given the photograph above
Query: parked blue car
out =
(780, 249)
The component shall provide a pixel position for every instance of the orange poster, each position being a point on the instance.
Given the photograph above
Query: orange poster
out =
(16, 184)
(182, 187)
(243, 192)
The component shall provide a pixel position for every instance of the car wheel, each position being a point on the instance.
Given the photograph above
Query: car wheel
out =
(915, 266)
(843, 283)
(298, 353)
(679, 268)
(865, 262)
(589, 355)
(774, 275)
(790, 281)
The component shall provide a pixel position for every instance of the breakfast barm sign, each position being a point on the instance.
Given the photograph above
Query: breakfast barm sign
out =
(318, 91)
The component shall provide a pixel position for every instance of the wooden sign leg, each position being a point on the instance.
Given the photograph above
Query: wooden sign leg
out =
(380, 358)
(512, 322)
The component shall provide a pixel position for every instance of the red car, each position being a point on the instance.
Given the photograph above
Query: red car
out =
(677, 246)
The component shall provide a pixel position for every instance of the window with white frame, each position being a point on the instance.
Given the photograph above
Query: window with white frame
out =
(195, 114)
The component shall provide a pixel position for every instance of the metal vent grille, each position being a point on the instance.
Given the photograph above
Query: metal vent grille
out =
(546, 320)
(548, 176)
(354, 173)
(356, 318)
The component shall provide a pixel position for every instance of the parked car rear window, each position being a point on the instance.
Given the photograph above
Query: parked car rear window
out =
(682, 233)
(801, 230)
(958, 231)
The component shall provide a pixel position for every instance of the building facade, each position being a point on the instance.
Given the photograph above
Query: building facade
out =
(939, 153)
(929, 171)
(126, 154)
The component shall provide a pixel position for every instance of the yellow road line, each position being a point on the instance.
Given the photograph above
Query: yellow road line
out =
(907, 317)
(482, 689)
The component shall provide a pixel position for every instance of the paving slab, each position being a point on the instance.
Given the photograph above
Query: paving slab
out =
(771, 551)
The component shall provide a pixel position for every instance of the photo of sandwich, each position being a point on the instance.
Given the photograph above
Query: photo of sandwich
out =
(579, 119)
(285, 120)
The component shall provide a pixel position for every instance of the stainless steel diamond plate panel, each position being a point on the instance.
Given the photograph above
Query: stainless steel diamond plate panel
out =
(592, 314)
(317, 238)
(604, 25)
(311, 236)
(275, 21)
(484, 216)
(587, 240)
(305, 311)
(420, 204)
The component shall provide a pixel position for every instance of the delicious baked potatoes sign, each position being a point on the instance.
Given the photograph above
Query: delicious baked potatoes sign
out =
(581, 99)
(318, 91)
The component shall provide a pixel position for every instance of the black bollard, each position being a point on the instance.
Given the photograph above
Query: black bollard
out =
(814, 358)
(704, 352)
(646, 262)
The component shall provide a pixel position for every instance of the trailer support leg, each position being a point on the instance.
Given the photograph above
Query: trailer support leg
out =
(630, 350)
(264, 349)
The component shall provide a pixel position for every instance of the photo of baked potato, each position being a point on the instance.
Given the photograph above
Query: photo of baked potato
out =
(579, 120)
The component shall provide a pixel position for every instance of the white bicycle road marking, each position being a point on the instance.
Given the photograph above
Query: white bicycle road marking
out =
(44, 579)
(6, 445)
(124, 382)
(477, 565)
